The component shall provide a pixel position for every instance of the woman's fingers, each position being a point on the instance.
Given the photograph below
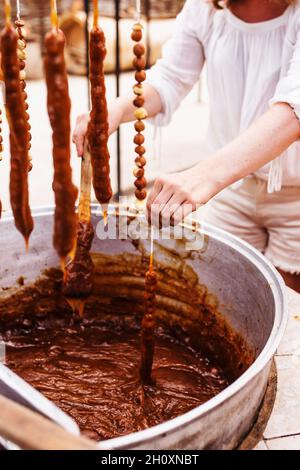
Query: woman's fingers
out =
(80, 145)
(154, 193)
(181, 212)
(163, 201)
(80, 133)
(158, 205)
(172, 206)
(152, 196)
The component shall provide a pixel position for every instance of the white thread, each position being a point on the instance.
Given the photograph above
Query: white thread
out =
(138, 10)
(18, 10)
(152, 240)
(55, 6)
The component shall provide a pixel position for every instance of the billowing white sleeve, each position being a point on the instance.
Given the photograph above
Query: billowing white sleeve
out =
(183, 58)
(288, 88)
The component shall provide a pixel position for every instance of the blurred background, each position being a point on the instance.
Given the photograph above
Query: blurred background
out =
(176, 147)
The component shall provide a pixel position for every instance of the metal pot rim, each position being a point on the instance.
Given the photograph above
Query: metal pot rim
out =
(280, 321)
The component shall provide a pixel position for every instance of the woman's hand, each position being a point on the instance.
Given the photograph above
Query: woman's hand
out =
(80, 133)
(176, 195)
(115, 114)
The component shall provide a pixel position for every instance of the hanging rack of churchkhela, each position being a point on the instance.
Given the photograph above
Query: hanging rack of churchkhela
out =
(17, 117)
(78, 282)
(19, 23)
(59, 110)
(98, 127)
(148, 321)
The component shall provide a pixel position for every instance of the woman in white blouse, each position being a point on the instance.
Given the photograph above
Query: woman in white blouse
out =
(252, 52)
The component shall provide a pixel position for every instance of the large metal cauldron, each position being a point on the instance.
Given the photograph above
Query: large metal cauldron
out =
(251, 298)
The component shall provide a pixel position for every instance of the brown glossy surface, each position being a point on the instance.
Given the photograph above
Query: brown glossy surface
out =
(59, 108)
(97, 133)
(18, 132)
(91, 367)
(78, 278)
(91, 371)
(22, 63)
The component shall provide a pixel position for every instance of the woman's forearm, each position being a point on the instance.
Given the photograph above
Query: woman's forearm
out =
(120, 110)
(175, 195)
(265, 140)
(153, 104)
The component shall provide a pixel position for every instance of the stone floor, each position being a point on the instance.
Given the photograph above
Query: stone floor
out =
(283, 429)
(182, 145)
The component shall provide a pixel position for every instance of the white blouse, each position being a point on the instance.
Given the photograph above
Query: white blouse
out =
(249, 67)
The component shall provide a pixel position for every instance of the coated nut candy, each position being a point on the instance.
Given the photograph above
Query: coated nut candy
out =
(140, 76)
(19, 194)
(141, 113)
(98, 127)
(59, 104)
(140, 150)
(138, 89)
(139, 126)
(141, 194)
(140, 162)
(139, 50)
(139, 139)
(139, 102)
(139, 63)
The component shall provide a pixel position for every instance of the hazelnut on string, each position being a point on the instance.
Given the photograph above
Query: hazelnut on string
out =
(21, 52)
(148, 321)
(140, 113)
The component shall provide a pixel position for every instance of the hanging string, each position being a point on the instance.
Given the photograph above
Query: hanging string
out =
(96, 13)
(7, 10)
(18, 10)
(151, 248)
(54, 17)
(138, 10)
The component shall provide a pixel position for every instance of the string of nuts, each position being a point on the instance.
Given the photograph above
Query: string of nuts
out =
(22, 62)
(140, 113)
